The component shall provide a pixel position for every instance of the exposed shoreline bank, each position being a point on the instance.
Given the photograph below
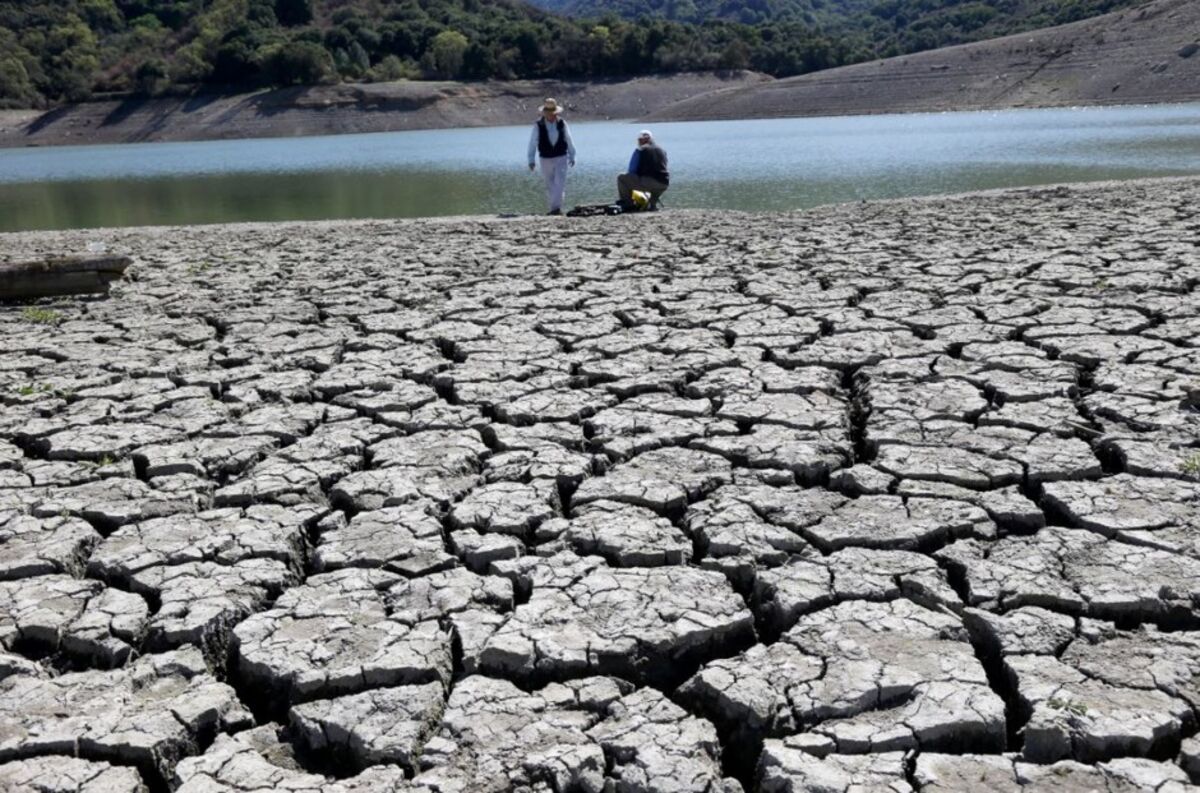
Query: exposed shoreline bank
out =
(16, 242)
(1143, 55)
(354, 108)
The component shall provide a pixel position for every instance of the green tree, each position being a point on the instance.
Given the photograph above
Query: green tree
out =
(71, 60)
(448, 49)
(736, 55)
(102, 15)
(16, 89)
(152, 77)
(297, 63)
(391, 69)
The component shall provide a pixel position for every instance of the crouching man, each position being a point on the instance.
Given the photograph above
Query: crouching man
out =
(647, 172)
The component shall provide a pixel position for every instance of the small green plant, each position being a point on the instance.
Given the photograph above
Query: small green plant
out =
(199, 268)
(1191, 466)
(105, 460)
(1102, 283)
(32, 389)
(1074, 708)
(42, 316)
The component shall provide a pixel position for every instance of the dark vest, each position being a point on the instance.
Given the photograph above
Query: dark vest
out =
(559, 149)
(652, 162)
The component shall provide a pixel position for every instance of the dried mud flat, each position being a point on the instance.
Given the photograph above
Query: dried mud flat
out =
(899, 496)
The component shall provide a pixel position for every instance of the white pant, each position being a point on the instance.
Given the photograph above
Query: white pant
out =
(554, 171)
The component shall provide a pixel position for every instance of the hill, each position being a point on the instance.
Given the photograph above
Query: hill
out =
(870, 28)
(1147, 54)
(61, 51)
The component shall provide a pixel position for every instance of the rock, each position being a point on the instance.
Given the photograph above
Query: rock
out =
(940, 772)
(625, 535)
(405, 539)
(890, 522)
(257, 760)
(478, 551)
(814, 411)
(81, 618)
(786, 769)
(171, 698)
(32, 546)
(1189, 757)
(206, 571)
(862, 480)
(1027, 629)
(588, 734)
(101, 441)
(802, 586)
(110, 504)
(1077, 572)
(741, 528)
(955, 466)
(333, 636)
(385, 725)
(864, 678)
(637, 623)
(664, 480)
(1112, 696)
(810, 454)
(69, 775)
(505, 508)
(1146, 511)
(439, 595)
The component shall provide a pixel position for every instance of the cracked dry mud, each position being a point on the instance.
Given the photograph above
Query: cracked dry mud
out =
(899, 496)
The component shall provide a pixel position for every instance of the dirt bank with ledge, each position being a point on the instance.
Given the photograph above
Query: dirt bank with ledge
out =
(1144, 55)
(341, 109)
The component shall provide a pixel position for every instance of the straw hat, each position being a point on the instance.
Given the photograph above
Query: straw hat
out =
(551, 106)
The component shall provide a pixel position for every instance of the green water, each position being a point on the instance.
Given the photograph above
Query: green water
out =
(748, 165)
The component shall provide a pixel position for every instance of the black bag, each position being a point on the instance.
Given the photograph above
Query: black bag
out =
(591, 210)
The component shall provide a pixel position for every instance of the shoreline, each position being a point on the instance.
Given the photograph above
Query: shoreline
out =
(336, 223)
(9, 139)
(332, 224)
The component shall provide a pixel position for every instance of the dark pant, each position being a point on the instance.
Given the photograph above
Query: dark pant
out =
(628, 182)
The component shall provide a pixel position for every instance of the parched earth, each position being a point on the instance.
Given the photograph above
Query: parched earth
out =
(897, 497)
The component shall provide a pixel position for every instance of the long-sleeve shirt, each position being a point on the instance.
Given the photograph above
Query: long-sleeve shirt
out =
(552, 133)
(633, 161)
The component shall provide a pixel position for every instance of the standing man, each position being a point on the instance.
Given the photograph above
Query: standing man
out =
(551, 141)
(647, 171)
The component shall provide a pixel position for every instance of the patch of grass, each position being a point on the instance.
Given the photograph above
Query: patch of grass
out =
(1074, 708)
(33, 389)
(1102, 283)
(1191, 466)
(199, 268)
(42, 316)
(105, 460)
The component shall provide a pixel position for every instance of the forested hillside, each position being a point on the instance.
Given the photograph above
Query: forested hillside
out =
(54, 51)
(869, 28)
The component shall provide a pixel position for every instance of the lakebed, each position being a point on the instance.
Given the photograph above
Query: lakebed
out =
(900, 494)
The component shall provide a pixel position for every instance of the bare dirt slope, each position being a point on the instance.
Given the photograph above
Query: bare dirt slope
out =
(1144, 54)
(329, 110)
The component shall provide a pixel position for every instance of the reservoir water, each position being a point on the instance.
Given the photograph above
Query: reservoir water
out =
(774, 164)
